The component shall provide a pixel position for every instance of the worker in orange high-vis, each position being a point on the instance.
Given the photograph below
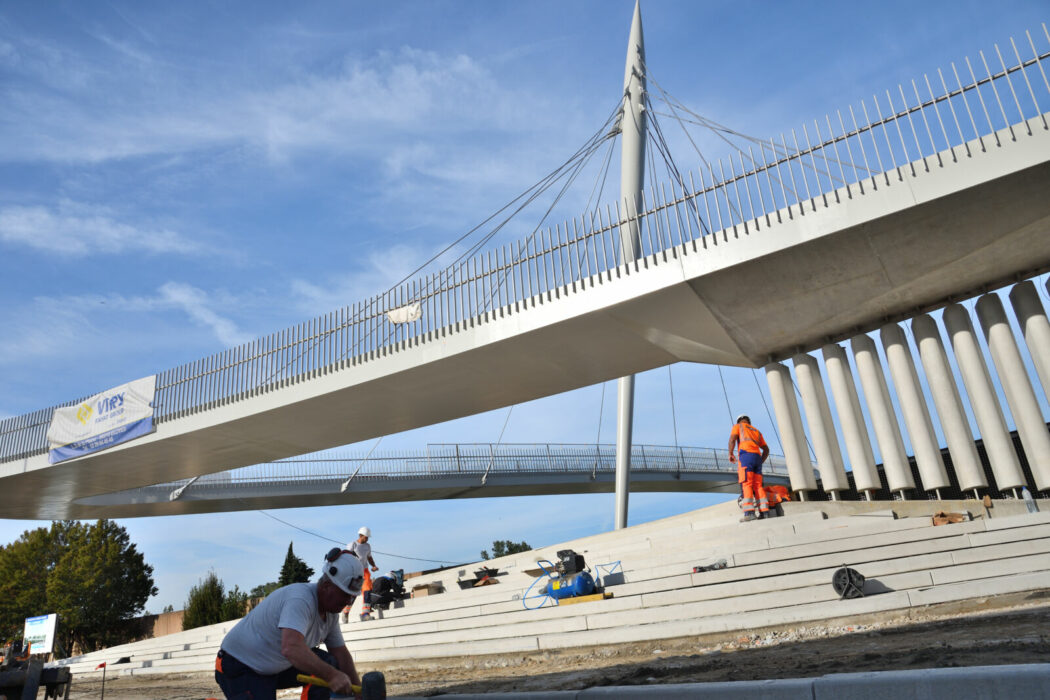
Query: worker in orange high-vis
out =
(753, 452)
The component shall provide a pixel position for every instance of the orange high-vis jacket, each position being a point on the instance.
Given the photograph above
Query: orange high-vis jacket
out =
(750, 440)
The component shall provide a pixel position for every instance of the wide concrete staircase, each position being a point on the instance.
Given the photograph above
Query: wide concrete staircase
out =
(778, 574)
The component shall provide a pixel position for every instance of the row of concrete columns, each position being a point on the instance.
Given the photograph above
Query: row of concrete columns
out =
(918, 420)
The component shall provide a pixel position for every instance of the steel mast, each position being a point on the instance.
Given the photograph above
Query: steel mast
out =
(632, 173)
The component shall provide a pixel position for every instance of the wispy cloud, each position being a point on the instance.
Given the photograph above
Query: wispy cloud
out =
(351, 109)
(200, 307)
(378, 271)
(115, 325)
(75, 230)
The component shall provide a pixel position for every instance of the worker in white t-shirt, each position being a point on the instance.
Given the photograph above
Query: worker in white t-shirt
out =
(278, 639)
(363, 551)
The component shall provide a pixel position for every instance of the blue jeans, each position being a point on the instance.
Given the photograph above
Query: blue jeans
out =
(240, 682)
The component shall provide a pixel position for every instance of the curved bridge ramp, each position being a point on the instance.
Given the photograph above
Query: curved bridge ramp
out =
(440, 472)
(778, 575)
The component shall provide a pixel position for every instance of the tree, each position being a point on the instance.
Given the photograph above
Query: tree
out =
(91, 575)
(168, 608)
(264, 589)
(209, 603)
(294, 569)
(234, 604)
(204, 603)
(501, 548)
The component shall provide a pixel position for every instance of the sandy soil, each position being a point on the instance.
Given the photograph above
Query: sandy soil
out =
(1017, 631)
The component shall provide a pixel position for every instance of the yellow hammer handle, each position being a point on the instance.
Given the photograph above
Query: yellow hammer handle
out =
(321, 682)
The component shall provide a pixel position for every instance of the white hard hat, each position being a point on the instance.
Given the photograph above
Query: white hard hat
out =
(743, 416)
(344, 570)
(365, 531)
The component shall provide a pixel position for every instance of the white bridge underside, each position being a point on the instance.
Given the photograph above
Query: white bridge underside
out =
(839, 268)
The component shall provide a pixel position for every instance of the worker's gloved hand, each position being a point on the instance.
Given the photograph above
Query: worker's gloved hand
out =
(732, 458)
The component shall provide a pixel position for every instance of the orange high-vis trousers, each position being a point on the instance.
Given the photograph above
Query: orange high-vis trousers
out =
(753, 488)
(366, 609)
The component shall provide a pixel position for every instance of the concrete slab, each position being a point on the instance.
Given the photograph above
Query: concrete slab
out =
(1033, 581)
(1015, 681)
(997, 551)
(1013, 534)
(990, 569)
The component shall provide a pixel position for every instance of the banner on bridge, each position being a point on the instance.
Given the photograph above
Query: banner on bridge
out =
(104, 420)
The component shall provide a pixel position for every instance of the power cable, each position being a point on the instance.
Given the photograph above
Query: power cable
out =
(342, 542)
(768, 413)
(725, 393)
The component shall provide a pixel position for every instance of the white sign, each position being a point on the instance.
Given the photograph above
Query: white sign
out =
(104, 420)
(40, 633)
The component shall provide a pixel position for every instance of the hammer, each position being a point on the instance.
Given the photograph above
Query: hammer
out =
(373, 684)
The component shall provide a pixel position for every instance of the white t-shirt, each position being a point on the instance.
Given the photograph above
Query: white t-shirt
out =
(362, 550)
(256, 639)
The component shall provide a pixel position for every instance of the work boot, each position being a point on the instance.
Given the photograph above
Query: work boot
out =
(748, 517)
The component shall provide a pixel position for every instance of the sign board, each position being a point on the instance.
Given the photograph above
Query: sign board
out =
(104, 420)
(40, 633)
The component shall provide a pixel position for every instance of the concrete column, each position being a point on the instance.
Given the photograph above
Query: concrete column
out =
(821, 427)
(1031, 427)
(983, 401)
(913, 406)
(854, 431)
(883, 419)
(965, 461)
(1035, 327)
(789, 422)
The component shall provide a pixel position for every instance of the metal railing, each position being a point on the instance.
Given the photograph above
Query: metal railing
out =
(474, 460)
(924, 128)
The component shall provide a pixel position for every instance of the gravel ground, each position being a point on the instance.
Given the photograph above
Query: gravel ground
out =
(1011, 630)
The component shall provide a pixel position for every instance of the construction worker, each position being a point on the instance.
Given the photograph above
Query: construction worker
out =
(278, 639)
(753, 453)
(363, 551)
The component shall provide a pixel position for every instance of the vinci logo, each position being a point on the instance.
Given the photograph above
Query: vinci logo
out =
(84, 413)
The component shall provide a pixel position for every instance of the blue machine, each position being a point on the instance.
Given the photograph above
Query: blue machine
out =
(572, 586)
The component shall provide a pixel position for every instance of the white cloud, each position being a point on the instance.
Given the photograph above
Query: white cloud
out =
(378, 271)
(112, 325)
(75, 229)
(199, 307)
(357, 109)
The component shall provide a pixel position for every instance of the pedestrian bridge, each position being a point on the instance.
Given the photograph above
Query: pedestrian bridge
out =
(438, 472)
(940, 196)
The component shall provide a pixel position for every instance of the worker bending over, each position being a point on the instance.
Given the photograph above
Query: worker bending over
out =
(278, 639)
(753, 454)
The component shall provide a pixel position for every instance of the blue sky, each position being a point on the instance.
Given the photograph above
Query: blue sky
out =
(177, 178)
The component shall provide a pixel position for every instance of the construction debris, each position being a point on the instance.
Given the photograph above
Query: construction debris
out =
(943, 518)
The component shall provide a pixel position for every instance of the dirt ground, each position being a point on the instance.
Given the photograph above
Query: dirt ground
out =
(1016, 631)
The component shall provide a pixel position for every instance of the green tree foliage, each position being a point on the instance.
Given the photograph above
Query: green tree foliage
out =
(90, 574)
(294, 569)
(204, 603)
(264, 589)
(209, 603)
(501, 548)
(234, 604)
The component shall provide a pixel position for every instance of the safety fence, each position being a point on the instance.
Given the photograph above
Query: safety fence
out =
(930, 123)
